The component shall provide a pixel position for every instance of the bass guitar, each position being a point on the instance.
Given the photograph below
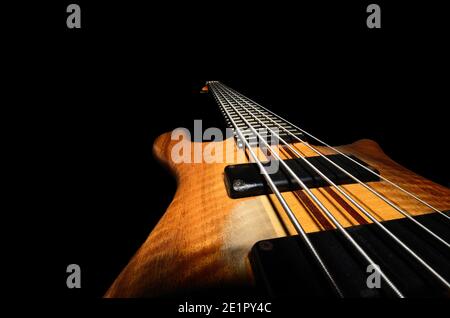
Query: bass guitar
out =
(274, 210)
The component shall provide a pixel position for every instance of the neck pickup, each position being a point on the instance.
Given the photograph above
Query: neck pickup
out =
(245, 180)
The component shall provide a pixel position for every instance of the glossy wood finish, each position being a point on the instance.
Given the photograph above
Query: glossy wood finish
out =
(203, 239)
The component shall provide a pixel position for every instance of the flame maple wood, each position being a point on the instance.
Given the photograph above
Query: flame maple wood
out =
(203, 239)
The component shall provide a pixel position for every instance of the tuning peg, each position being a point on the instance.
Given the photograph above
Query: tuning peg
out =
(204, 89)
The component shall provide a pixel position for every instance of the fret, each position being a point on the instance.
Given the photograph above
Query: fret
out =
(257, 119)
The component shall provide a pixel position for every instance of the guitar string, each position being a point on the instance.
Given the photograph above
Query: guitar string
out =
(348, 197)
(379, 195)
(298, 227)
(359, 249)
(341, 229)
(396, 207)
(346, 156)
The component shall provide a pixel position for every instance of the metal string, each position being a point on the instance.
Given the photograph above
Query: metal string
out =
(346, 156)
(217, 91)
(281, 199)
(341, 190)
(396, 207)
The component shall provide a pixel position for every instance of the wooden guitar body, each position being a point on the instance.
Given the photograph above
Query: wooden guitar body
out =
(204, 238)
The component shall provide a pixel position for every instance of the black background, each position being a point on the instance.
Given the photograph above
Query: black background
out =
(102, 94)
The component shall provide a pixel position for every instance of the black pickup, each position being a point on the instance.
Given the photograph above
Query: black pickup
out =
(245, 180)
(285, 268)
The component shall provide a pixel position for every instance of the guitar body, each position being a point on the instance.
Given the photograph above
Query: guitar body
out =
(203, 240)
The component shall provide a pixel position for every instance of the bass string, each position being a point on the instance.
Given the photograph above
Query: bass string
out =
(341, 190)
(371, 189)
(298, 227)
(336, 223)
(333, 194)
(343, 154)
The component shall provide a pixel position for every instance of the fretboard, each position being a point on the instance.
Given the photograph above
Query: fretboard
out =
(240, 112)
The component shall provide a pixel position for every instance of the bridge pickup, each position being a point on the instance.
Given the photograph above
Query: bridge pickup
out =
(245, 180)
(284, 267)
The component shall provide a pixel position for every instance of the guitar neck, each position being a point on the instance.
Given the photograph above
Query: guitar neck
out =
(239, 111)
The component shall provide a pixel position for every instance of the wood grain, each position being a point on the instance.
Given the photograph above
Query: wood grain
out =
(203, 239)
